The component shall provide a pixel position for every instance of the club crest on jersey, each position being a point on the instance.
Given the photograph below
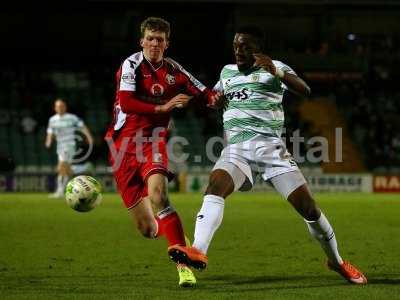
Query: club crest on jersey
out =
(157, 158)
(128, 78)
(157, 89)
(255, 77)
(170, 79)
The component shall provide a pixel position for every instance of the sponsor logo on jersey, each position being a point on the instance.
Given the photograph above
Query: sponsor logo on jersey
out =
(157, 89)
(242, 94)
(292, 163)
(128, 78)
(170, 79)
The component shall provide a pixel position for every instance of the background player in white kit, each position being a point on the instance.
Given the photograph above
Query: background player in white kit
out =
(253, 123)
(63, 127)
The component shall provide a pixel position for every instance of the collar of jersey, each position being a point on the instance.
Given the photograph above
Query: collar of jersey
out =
(250, 70)
(151, 65)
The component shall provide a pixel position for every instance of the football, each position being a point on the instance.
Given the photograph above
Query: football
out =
(83, 193)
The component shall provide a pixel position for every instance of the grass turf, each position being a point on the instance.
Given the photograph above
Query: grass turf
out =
(262, 250)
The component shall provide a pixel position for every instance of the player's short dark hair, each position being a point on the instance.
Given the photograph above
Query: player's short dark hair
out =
(256, 32)
(155, 24)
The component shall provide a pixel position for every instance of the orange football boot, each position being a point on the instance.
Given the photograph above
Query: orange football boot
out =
(189, 256)
(349, 272)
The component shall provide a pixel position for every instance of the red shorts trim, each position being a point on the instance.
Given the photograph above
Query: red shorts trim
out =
(134, 205)
(156, 170)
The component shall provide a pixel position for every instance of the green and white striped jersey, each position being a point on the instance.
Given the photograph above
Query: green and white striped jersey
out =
(63, 127)
(254, 102)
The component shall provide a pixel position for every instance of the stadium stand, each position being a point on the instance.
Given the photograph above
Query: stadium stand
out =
(355, 72)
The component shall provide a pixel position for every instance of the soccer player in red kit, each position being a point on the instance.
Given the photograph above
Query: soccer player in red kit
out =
(149, 86)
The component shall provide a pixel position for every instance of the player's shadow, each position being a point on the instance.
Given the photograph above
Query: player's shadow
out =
(268, 282)
(395, 280)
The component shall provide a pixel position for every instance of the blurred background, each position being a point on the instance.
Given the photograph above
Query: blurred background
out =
(347, 51)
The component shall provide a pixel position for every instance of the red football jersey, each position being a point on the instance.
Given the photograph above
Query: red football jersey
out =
(150, 85)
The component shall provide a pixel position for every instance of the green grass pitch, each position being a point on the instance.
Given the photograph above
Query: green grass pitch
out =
(262, 250)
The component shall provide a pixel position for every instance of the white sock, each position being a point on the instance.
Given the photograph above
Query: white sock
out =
(323, 232)
(59, 184)
(64, 182)
(208, 220)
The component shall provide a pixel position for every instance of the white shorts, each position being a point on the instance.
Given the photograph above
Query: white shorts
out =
(66, 155)
(267, 156)
(86, 168)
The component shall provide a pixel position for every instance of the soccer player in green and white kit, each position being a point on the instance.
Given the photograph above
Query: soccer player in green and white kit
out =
(62, 127)
(253, 123)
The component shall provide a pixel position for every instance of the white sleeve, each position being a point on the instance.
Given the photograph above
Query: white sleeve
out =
(79, 122)
(218, 87)
(50, 128)
(285, 68)
(128, 80)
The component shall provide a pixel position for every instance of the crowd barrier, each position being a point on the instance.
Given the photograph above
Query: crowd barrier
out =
(197, 182)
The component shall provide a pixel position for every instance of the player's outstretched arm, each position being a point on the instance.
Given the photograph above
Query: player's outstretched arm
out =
(130, 104)
(294, 83)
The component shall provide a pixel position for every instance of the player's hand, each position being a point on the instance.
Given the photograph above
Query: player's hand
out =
(265, 62)
(179, 101)
(217, 101)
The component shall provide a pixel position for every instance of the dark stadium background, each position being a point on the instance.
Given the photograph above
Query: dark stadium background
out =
(348, 52)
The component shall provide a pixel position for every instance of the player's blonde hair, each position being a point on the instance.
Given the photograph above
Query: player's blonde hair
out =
(155, 24)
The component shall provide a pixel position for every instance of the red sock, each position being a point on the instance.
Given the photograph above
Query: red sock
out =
(169, 225)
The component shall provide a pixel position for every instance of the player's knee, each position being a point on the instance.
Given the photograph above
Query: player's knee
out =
(220, 184)
(214, 189)
(63, 168)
